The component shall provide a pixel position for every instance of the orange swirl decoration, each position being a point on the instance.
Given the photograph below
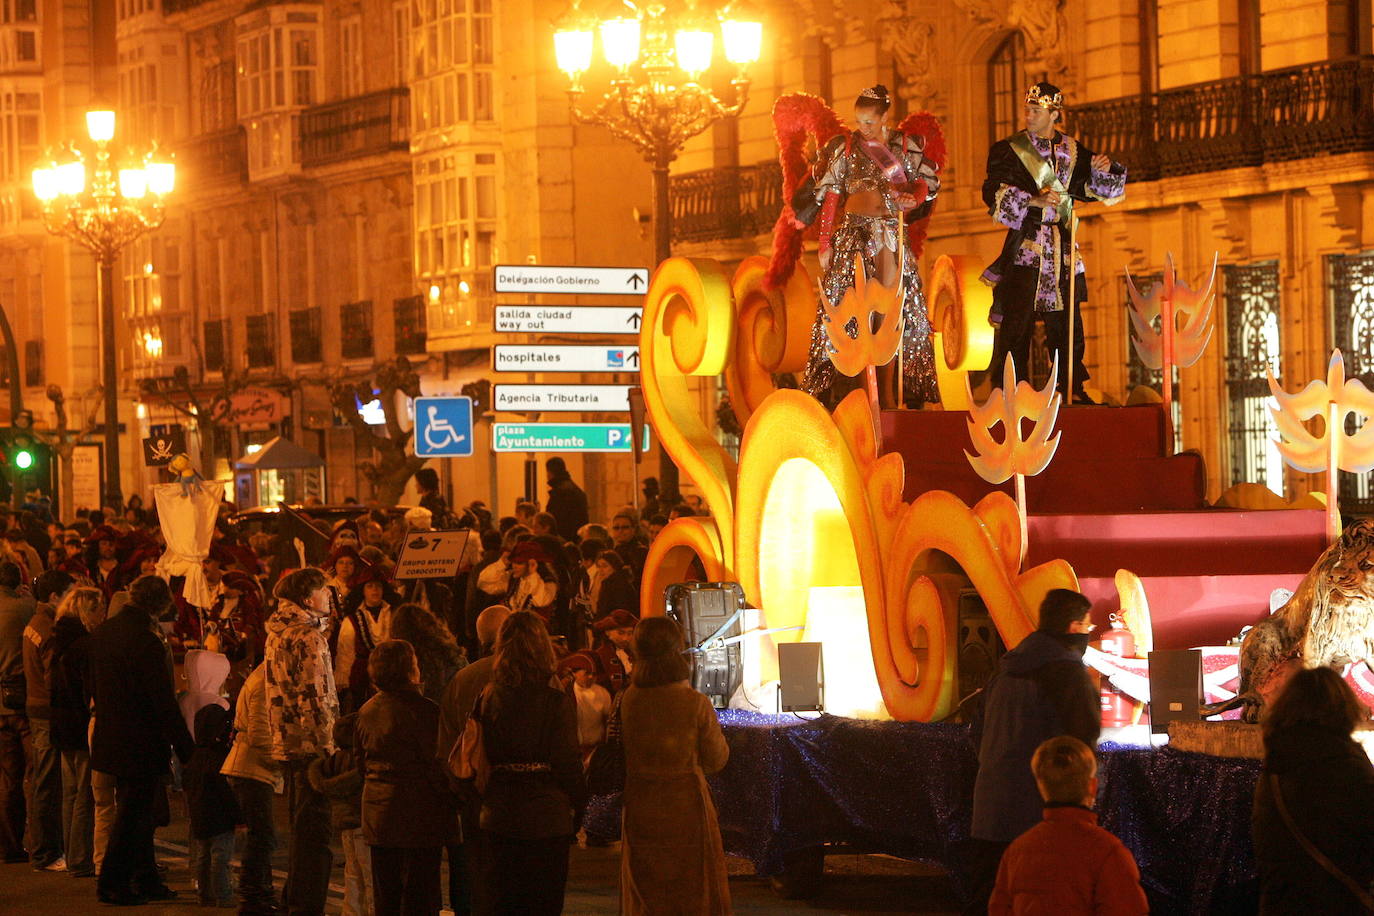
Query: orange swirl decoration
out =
(958, 303)
(688, 330)
(773, 333)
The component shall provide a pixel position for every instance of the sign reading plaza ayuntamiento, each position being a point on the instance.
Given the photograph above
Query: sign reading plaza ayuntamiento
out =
(563, 437)
(538, 279)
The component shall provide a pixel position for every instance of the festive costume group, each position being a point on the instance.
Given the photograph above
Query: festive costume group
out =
(1031, 277)
(867, 197)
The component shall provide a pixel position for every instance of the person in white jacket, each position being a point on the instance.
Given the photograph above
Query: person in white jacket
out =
(254, 777)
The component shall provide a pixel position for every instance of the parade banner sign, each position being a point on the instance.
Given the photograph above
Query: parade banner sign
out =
(431, 554)
(563, 437)
(595, 281)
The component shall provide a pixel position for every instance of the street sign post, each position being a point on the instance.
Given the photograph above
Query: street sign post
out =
(431, 554)
(564, 358)
(443, 427)
(563, 437)
(561, 398)
(536, 279)
(567, 319)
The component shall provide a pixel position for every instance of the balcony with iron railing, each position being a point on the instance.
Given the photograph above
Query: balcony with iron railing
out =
(365, 125)
(731, 202)
(213, 158)
(1278, 116)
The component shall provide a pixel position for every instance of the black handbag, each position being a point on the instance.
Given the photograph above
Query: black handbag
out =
(606, 768)
(14, 692)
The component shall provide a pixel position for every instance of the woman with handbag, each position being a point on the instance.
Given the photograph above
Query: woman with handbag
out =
(672, 861)
(1313, 820)
(519, 749)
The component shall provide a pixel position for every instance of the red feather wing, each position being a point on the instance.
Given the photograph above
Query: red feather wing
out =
(924, 124)
(796, 116)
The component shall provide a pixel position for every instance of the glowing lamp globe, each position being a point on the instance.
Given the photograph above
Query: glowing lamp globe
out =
(694, 48)
(71, 178)
(620, 42)
(45, 186)
(743, 40)
(572, 48)
(133, 183)
(100, 125)
(162, 177)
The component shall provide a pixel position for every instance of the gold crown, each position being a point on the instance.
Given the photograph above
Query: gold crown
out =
(1044, 95)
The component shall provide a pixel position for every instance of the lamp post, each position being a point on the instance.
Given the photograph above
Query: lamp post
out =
(655, 99)
(104, 207)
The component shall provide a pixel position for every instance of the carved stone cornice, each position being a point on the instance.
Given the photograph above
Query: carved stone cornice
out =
(910, 40)
(1043, 24)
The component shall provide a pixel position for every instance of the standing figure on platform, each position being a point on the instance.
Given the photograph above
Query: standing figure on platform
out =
(871, 183)
(1034, 178)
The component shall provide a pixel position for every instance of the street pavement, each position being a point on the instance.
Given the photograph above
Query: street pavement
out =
(867, 885)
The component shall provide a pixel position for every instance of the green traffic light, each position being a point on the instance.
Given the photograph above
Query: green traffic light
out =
(23, 459)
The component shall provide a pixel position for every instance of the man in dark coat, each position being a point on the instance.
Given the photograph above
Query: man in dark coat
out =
(1041, 690)
(1033, 179)
(15, 614)
(567, 502)
(137, 724)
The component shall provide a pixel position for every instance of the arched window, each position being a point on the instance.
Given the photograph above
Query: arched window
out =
(1006, 86)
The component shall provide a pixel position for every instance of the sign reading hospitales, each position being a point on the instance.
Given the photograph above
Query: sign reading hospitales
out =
(443, 427)
(431, 554)
(561, 398)
(563, 437)
(591, 281)
(565, 358)
(567, 319)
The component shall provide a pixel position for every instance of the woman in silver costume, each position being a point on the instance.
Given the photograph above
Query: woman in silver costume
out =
(863, 198)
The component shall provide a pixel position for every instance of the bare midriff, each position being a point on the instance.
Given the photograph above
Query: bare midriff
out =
(865, 203)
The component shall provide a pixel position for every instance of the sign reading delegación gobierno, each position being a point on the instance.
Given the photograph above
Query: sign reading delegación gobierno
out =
(563, 437)
(546, 279)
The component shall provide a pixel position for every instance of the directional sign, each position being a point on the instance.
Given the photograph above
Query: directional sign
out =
(565, 358)
(593, 281)
(562, 398)
(431, 554)
(443, 427)
(567, 319)
(563, 437)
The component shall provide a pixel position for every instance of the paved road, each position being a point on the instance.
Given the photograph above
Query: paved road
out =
(867, 885)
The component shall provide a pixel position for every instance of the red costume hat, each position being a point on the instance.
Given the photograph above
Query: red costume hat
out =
(616, 620)
(576, 661)
(102, 533)
(528, 550)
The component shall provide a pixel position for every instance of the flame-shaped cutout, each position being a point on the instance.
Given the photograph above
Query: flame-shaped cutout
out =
(773, 336)
(1309, 452)
(874, 314)
(1015, 401)
(1196, 305)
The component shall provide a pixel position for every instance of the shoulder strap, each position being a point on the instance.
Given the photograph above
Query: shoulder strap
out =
(1040, 168)
(1317, 855)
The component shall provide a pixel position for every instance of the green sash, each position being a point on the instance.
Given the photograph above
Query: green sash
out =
(1043, 174)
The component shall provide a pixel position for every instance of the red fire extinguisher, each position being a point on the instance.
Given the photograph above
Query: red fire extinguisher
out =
(1118, 708)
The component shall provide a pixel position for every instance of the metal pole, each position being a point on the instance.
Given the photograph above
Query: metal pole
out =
(663, 250)
(113, 494)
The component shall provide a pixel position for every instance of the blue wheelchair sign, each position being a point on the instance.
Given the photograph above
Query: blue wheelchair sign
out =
(443, 427)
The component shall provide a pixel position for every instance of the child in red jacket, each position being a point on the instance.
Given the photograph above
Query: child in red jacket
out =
(1067, 864)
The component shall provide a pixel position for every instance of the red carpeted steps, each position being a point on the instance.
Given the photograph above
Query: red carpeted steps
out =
(1112, 498)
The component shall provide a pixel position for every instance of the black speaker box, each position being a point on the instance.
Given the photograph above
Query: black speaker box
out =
(702, 609)
(1175, 687)
(801, 677)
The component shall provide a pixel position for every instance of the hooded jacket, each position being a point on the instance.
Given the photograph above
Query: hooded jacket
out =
(302, 703)
(38, 660)
(1041, 690)
(69, 694)
(1328, 789)
(251, 755)
(206, 672)
(213, 807)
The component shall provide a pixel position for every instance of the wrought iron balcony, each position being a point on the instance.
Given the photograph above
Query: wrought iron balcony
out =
(213, 158)
(365, 125)
(1276, 116)
(731, 202)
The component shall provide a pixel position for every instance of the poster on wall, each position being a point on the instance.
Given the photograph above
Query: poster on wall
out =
(86, 476)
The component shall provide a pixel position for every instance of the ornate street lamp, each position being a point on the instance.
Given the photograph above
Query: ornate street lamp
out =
(104, 208)
(655, 99)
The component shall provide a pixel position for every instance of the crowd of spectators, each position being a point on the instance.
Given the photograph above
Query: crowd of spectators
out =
(340, 687)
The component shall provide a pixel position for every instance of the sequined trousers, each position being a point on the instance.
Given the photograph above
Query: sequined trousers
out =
(869, 235)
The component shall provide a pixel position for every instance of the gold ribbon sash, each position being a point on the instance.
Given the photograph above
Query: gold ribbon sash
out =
(1043, 174)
